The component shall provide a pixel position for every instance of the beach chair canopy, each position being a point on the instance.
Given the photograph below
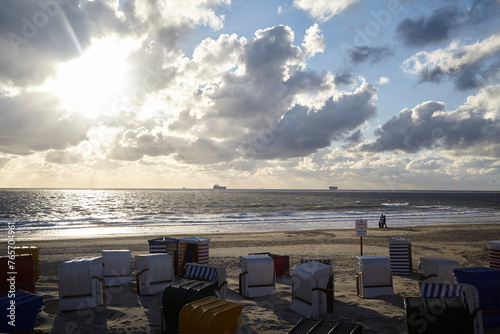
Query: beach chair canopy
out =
(27, 306)
(374, 276)
(209, 273)
(81, 284)
(155, 272)
(117, 267)
(257, 277)
(312, 289)
(400, 256)
(437, 269)
(24, 273)
(494, 253)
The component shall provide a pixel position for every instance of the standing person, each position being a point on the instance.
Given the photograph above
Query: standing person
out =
(384, 221)
(381, 221)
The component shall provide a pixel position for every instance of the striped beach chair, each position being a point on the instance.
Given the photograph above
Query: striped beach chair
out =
(209, 273)
(494, 254)
(400, 256)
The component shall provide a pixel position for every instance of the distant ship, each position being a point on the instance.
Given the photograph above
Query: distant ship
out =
(333, 188)
(219, 187)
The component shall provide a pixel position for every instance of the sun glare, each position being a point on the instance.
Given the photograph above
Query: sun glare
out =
(94, 82)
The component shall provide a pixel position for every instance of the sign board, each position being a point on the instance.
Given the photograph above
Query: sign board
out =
(361, 227)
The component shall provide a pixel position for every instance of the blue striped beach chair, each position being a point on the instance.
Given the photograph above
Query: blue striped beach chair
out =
(205, 272)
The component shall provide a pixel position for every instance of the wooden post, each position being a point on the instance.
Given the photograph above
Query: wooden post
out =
(361, 244)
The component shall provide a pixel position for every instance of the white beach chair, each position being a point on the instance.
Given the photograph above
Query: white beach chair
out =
(81, 284)
(437, 269)
(117, 267)
(155, 273)
(374, 276)
(257, 277)
(206, 272)
(312, 289)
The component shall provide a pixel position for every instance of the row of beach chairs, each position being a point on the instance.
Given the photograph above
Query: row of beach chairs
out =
(475, 291)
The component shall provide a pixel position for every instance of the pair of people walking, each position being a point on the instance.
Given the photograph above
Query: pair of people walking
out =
(382, 221)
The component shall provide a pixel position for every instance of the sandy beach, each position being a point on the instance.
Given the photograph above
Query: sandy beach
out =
(126, 312)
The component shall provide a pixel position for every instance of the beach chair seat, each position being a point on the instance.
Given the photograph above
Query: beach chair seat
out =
(257, 277)
(437, 269)
(312, 289)
(426, 315)
(117, 267)
(81, 284)
(374, 277)
(209, 273)
(22, 268)
(317, 326)
(155, 272)
(27, 306)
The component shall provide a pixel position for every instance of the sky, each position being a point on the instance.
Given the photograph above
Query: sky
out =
(297, 94)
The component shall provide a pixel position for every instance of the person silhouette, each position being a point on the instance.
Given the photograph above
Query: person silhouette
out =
(384, 221)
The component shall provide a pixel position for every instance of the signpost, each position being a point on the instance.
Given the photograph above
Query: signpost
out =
(361, 231)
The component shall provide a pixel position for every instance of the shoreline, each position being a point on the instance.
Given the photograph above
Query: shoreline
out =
(126, 312)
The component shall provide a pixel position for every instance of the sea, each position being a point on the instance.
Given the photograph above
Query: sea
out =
(44, 214)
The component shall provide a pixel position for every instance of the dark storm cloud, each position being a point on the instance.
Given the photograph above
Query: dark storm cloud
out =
(33, 122)
(428, 126)
(425, 31)
(344, 79)
(360, 54)
(36, 35)
(303, 131)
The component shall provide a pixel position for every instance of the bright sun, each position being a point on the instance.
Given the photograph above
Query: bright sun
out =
(94, 82)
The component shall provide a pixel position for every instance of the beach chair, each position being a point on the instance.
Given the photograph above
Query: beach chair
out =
(317, 326)
(117, 267)
(34, 250)
(175, 296)
(81, 284)
(21, 268)
(166, 245)
(437, 269)
(465, 291)
(494, 253)
(257, 277)
(206, 272)
(26, 308)
(155, 273)
(281, 263)
(374, 277)
(400, 256)
(431, 315)
(193, 249)
(209, 315)
(312, 289)
(487, 283)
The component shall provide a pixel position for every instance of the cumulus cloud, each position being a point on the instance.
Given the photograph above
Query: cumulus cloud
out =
(313, 41)
(471, 66)
(323, 10)
(473, 127)
(257, 101)
(63, 157)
